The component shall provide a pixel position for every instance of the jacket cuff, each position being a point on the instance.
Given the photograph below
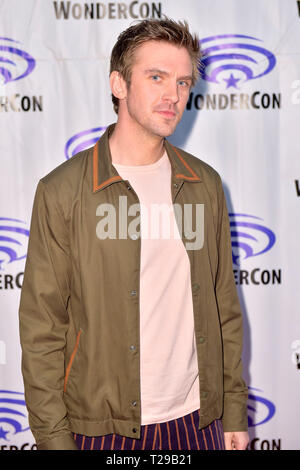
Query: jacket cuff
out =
(235, 416)
(62, 442)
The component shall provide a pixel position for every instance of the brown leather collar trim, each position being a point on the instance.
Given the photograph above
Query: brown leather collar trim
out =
(97, 186)
(194, 177)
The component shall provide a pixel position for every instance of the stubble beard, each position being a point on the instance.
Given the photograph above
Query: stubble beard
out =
(151, 125)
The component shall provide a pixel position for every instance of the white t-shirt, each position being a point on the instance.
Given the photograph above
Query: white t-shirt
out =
(168, 355)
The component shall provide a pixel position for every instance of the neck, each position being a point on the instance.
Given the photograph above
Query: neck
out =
(134, 146)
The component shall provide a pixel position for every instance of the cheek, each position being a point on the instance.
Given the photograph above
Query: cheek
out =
(184, 96)
(149, 99)
(184, 93)
(141, 95)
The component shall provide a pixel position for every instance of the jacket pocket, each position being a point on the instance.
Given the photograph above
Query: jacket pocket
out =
(69, 366)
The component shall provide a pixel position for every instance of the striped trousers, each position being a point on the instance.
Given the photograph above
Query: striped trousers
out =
(178, 434)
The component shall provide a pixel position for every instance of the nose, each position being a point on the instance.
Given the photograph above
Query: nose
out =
(170, 92)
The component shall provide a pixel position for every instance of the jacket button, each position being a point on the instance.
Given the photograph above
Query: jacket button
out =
(133, 292)
(128, 187)
(133, 403)
(134, 430)
(201, 340)
(195, 287)
(175, 185)
(132, 347)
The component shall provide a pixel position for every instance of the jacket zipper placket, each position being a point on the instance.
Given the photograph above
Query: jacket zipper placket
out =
(130, 188)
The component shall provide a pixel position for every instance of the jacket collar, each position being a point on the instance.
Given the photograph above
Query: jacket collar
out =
(104, 173)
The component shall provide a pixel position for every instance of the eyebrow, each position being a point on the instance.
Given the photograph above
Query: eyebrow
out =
(163, 72)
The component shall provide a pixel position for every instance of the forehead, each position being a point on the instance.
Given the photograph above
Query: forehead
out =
(161, 54)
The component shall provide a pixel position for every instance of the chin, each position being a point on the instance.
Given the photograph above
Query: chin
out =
(168, 134)
(165, 131)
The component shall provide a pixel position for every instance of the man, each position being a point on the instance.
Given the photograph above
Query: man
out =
(132, 338)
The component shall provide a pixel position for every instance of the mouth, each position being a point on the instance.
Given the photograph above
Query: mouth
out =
(167, 113)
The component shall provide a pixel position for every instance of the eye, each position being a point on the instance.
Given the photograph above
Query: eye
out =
(155, 78)
(183, 83)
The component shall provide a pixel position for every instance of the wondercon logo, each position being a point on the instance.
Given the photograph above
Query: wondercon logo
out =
(234, 59)
(13, 414)
(260, 409)
(83, 140)
(15, 63)
(249, 237)
(13, 240)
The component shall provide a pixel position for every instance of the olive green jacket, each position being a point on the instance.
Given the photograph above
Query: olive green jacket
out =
(79, 308)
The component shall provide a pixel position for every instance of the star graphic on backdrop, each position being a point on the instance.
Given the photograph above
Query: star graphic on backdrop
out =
(3, 433)
(231, 81)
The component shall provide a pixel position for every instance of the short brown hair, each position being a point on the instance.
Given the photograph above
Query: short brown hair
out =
(152, 30)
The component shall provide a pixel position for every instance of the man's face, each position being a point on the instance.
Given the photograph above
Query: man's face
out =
(161, 77)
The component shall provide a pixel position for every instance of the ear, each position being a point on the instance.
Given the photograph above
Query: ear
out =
(118, 85)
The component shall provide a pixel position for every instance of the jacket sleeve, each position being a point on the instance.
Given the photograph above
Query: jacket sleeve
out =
(44, 323)
(235, 389)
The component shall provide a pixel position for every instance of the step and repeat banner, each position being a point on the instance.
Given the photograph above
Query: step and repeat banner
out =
(242, 118)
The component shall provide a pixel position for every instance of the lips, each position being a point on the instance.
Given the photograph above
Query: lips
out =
(167, 113)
